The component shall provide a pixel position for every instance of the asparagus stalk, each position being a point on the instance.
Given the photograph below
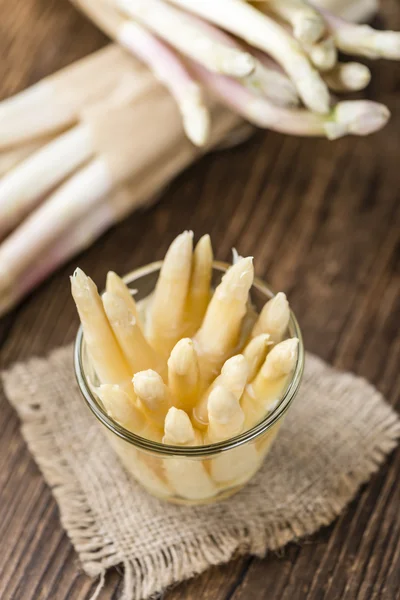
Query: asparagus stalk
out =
(255, 353)
(233, 377)
(263, 394)
(108, 361)
(172, 26)
(183, 374)
(164, 63)
(358, 117)
(323, 54)
(24, 186)
(122, 409)
(166, 317)
(188, 478)
(219, 333)
(153, 395)
(226, 420)
(348, 77)
(363, 40)
(225, 416)
(136, 349)
(200, 282)
(263, 32)
(308, 25)
(115, 285)
(273, 319)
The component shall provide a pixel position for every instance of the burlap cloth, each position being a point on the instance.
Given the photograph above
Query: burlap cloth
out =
(335, 436)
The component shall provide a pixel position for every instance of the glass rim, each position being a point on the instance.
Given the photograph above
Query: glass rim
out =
(191, 451)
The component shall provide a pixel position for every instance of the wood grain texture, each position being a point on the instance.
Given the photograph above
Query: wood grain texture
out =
(323, 221)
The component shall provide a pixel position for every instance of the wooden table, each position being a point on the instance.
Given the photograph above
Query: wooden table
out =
(323, 221)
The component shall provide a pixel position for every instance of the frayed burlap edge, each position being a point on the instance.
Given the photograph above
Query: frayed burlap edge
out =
(153, 573)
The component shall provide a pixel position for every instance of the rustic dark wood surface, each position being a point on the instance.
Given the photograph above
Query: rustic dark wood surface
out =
(323, 222)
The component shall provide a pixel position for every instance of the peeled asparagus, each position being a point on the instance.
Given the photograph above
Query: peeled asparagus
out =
(188, 478)
(308, 25)
(233, 377)
(166, 319)
(255, 353)
(273, 319)
(220, 330)
(120, 407)
(109, 363)
(115, 285)
(200, 282)
(263, 394)
(183, 374)
(225, 416)
(137, 351)
(153, 395)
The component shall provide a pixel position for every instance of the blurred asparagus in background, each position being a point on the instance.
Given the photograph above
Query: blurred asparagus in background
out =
(88, 145)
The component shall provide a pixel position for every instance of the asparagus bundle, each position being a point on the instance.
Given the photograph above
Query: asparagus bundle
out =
(86, 146)
(188, 391)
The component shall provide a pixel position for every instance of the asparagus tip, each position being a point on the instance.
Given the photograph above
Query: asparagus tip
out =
(177, 427)
(387, 44)
(238, 63)
(361, 117)
(308, 29)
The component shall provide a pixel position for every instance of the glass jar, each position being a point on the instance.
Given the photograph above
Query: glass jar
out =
(195, 474)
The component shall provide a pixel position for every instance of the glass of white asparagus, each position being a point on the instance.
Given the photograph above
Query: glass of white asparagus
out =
(191, 365)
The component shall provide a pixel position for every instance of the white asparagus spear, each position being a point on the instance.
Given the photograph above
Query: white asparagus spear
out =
(171, 25)
(122, 408)
(264, 79)
(183, 374)
(109, 363)
(200, 281)
(166, 315)
(255, 353)
(363, 40)
(188, 477)
(165, 64)
(136, 349)
(233, 377)
(323, 54)
(348, 77)
(23, 187)
(219, 333)
(70, 202)
(358, 117)
(263, 32)
(153, 395)
(263, 394)
(225, 415)
(308, 25)
(115, 285)
(226, 420)
(273, 319)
